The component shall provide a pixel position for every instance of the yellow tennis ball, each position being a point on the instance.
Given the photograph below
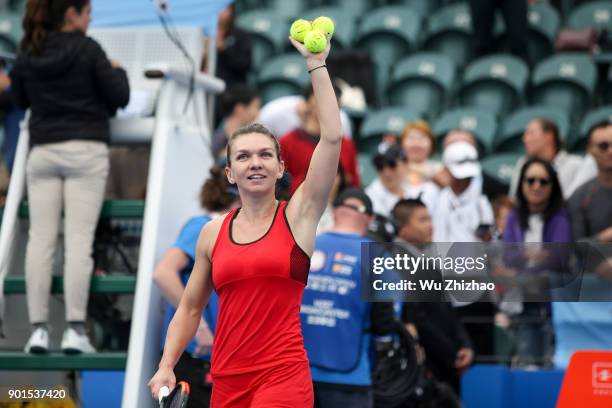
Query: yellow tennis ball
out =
(315, 41)
(299, 29)
(324, 24)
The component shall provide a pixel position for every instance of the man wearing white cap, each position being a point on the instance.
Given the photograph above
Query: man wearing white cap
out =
(462, 212)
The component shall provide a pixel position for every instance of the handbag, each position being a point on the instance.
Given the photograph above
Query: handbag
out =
(584, 39)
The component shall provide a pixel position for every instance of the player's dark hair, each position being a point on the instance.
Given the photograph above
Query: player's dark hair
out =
(42, 17)
(245, 130)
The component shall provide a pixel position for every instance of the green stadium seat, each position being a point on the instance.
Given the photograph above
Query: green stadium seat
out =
(281, 76)
(357, 8)
(366, 168)
(566, 81)
(269, 32)
(513, 127)
(386, 120)
(594, 14)
(608, 88)
(544, 23)
(424, 8)
(288, 9)
(579, 140)
(422, 82)
(10, 31)
(500, 166)
(481, 123)
(496, 82)
(449, 31)
(388, 33)
(344, 22)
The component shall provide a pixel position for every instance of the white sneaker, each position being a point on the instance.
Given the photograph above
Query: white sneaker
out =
(75, 343)
(38, 342)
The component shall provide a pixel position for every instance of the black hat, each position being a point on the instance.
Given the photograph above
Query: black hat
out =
(353, 192)
(390, 156)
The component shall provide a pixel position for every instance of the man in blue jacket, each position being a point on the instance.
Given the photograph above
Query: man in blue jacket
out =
(337, 324)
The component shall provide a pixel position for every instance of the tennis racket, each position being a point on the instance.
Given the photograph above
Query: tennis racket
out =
(175, 399)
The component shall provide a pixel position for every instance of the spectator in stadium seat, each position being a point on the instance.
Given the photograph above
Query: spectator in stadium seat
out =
(391, 185)
(298, 145)
(241, 104)
(463, 214)
(539, 217)
(541, 139)
(282, 115)
(590, 206)
(514, 13)
(461, 207)
(234, 49)
(234, 54)
(419, 144)
(490, 186)
(171, 274)
(447, 345)
(72, 89)
(339, 347)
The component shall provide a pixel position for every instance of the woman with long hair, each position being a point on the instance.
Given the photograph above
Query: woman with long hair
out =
(257, 258)
(71, 89)
(539, 217)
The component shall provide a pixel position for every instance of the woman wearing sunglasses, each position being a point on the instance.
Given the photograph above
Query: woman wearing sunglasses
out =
(539, 217)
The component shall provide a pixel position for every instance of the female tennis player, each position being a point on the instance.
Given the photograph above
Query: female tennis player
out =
(257, 259)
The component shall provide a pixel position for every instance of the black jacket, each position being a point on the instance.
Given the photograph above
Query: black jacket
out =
(71, 89)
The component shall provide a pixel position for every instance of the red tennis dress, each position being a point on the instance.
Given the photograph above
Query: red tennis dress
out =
(259, 358)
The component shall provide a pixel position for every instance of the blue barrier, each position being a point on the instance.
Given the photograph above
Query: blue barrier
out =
(101, 389)
(496, 386)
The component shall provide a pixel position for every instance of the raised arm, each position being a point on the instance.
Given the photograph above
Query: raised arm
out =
(309, 200)
(185, 322)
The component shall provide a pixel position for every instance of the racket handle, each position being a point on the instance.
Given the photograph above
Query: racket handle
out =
(163, 393)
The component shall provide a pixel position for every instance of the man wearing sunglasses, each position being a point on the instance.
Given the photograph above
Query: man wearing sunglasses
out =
(590, 205)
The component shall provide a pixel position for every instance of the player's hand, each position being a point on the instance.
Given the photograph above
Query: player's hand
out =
(204, 339)
(318, 58)
(163, 377)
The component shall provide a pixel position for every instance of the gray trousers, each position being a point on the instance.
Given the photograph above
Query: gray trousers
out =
(69, 176)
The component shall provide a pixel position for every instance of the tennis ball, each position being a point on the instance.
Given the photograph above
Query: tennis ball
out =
(324, 24)
(299, 29)
(315, 41)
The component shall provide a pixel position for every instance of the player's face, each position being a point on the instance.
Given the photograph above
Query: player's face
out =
(254, 164)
